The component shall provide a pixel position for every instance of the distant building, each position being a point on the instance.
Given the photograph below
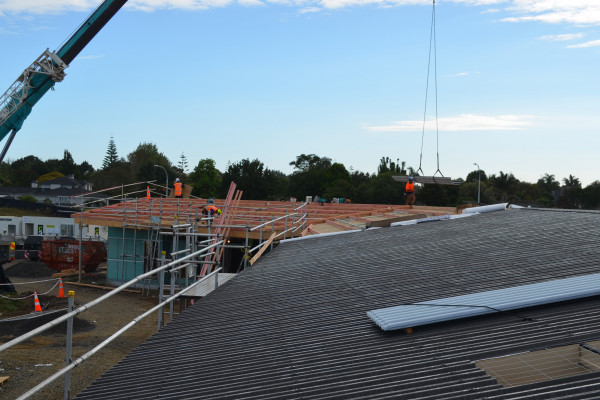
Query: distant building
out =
(65, 182)
(64, 191)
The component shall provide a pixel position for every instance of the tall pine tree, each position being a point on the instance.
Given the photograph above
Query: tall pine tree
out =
(111, 155)
(183, 164)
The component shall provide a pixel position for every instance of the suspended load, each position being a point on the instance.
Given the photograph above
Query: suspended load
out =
(438, 180)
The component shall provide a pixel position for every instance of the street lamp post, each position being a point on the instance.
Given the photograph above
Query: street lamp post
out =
(478, 183)
(167, 175)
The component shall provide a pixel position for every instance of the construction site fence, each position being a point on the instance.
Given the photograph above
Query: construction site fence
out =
(74, 312)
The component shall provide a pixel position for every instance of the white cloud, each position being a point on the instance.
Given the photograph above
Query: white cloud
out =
(580, 12)
(491, 11)
(250, 3)
(152, 5)
(479, 2)
(562, 38)
(463, 122)
(310, 10)
(45, 6)
(593, 43)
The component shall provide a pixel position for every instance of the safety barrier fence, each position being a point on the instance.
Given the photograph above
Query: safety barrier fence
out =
(173, 266)
(55, 280)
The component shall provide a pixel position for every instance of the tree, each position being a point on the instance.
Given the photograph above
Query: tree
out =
(119, 173)
(249, 177)
(476, 176)
(526, 192)
(205, 179)
(504, 184)
(84, 171)
(572, 193)
(438, 195)
(382, 189)
(24, 171)
(143, 159)
(550, 190)
(182, 165)
(277, 184)
(307, 180)
(548, 183)
(111, 154)
(28, 198)
(591, 196)
(334, 173)
(306, 162)
(50, 176)
(67, 164)
(572, 183)
(387, 165)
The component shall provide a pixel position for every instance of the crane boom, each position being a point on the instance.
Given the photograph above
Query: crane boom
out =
(46, 70)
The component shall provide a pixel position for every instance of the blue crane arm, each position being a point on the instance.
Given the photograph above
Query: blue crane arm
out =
(89, 29)
(30, 87)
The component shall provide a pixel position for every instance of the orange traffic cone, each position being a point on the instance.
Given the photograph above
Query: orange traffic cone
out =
(61, 290)
(36, 302)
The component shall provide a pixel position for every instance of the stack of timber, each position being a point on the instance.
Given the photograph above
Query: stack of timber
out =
(438, 180)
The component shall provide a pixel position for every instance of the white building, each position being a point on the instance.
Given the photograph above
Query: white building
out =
(48, 226)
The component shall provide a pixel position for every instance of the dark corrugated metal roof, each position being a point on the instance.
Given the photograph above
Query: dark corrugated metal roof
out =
(295, 326)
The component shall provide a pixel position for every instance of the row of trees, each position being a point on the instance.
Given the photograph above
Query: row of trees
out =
(312, 175)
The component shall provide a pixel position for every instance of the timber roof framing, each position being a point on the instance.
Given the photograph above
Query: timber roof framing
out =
(142, 214)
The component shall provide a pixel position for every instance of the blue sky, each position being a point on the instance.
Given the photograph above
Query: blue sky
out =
(518, 88)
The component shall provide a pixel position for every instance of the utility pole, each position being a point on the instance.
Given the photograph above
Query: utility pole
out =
(478, 183)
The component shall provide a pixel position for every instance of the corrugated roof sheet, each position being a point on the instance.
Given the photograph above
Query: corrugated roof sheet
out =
(294, 327)
(482, 303)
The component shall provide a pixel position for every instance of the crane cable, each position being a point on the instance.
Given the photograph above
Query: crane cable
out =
(432, 40)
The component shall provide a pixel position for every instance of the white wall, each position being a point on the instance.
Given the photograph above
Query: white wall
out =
(50, 226)
(15, 229)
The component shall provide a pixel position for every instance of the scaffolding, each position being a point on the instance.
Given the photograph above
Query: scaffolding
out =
(142, 229)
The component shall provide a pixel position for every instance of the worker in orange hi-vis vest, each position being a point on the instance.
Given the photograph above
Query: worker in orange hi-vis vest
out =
(178, 188)
(410, 192)
(211, 210)
(148, 193)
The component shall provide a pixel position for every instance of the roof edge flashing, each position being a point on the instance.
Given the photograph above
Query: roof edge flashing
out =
(485, 209)
(320, 235)
(430, 219)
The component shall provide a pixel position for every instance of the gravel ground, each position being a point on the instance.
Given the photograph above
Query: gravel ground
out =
(30, 362)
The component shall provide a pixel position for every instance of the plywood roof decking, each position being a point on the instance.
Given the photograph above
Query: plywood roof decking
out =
(140, 213)
(294, 326)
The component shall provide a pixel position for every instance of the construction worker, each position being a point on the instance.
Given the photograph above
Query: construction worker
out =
(410, 192)
(211, 210)
(178, 186)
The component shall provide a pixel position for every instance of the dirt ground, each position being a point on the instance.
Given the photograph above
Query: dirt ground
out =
(30, 362)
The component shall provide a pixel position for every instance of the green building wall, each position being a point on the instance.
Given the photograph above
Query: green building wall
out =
(131, 243)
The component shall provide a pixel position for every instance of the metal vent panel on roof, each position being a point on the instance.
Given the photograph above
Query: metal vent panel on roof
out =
(475, 304)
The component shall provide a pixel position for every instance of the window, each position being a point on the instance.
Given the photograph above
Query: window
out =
(12, 229)
(66, 230)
